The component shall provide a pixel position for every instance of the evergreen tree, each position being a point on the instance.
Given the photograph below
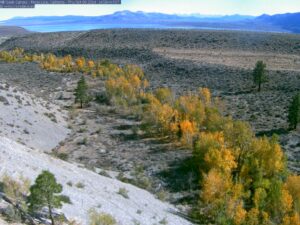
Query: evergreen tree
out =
(259, 74)
(81, 95)
(44, 193)
(294, 112)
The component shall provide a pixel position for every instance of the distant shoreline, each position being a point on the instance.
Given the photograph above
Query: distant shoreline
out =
(75, 28)
(281, 23)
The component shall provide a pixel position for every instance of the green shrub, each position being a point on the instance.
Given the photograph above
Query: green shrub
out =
(62, 156)
(102, 98)
(80, 185)
(15, 190)
(123, 192)
(65, 199)
(101, 218)
(162, 195)
(104, 173)
(163, 221)
(12, 215)
(83, 141)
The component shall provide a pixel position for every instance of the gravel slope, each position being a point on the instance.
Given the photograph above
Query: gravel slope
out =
(98, 192)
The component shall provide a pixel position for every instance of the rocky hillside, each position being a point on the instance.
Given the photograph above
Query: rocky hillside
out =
(128, 43)
(86, 189)
(13, 31)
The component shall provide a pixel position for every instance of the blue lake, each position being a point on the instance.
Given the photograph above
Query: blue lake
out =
(83, 27)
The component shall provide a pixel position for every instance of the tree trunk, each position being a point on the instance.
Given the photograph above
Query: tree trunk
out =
(81, 104)
(50, 214)
(259, 86)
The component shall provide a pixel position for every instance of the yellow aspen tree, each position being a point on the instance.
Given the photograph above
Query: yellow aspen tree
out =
(253, 217)
(259, 197)
(215, 187)
(206, 141)
(68, 62)
(292, 184)
(286, 201)
(240, 214)
(145, 84)
(51, 59)
(80, 63)
(293, 219)
(28, 58)
(220, 159)
(164, 95)
(91, 64)
(205, 95)
(135, 82)
(234, 204)
(191, 108)
(164, 116)
(60, 64)
(270, 156)
(187, 132)
(133, 69)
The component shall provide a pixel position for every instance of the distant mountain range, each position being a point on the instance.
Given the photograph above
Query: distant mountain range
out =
(126, 19)
(288, 21)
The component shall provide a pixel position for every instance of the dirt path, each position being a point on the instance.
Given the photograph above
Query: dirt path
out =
(240, 59)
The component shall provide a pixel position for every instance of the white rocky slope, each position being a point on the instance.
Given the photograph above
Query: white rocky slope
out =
(31, 120)
(99, 192)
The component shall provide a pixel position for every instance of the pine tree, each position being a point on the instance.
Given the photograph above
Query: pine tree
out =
(44, 193)
(81, 95)
(259, 74)
(294, 112)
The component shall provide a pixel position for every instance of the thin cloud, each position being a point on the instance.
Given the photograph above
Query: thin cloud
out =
(207, 7)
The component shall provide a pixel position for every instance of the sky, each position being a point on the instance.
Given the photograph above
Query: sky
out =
(206, 7)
